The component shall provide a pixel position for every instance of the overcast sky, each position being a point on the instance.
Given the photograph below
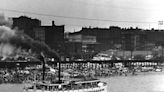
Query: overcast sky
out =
(124, 13)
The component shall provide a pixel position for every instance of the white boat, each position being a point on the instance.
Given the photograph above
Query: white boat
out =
(78, 86)
(87, 85)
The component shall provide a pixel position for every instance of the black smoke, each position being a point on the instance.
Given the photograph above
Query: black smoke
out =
(12, 41)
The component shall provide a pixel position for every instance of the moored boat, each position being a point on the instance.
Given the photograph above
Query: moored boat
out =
(74, 85)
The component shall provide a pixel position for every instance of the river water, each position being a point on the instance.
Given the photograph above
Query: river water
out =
(141, 83)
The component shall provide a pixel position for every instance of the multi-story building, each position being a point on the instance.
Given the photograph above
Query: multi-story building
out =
(39, 34)
(26, 25)
(81, 46)
(105, 36)
(117, 38)
(52, 35)
(133, 39)
(125, 39)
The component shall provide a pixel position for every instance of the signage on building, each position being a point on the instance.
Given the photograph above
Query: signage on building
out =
(89, 39)
(82, 39)
(75, 38)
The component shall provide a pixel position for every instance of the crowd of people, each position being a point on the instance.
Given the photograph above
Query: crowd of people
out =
(19, 75)
(12, 76)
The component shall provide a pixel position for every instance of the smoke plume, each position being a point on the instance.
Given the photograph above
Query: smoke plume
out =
(6, 34)
(6, 50)
(12, 42)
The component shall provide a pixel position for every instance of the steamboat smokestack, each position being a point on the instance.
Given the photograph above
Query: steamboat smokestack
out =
(53, 23)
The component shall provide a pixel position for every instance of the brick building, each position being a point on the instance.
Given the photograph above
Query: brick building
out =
(26, 25)
(121, 38)
(52, 35)
(81, 46)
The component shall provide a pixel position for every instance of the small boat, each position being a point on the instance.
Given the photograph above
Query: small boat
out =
(80, 85)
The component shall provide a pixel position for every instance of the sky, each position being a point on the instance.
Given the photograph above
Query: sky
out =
(75, 14)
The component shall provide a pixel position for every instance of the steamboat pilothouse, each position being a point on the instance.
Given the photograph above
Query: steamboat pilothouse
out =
(80, 85)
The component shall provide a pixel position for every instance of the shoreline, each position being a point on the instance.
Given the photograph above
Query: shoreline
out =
(136, 74)
(143, 82)
(114, 76)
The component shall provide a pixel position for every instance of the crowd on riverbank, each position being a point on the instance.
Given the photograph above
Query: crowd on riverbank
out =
(20, 75)
(11, 76)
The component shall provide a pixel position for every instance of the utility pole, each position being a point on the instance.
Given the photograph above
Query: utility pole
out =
(59, 72)
(42, 58)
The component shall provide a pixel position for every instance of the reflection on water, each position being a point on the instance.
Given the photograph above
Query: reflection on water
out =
(140, 83)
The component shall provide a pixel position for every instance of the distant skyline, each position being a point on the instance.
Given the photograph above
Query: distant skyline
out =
(95, 13)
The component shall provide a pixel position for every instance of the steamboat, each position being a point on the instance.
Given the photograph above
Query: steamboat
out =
(78, 85)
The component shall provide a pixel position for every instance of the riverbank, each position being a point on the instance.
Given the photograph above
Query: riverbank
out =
(136, 74)
(143, 82)
(20, 75)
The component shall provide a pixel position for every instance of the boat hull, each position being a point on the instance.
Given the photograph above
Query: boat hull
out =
(96, 89)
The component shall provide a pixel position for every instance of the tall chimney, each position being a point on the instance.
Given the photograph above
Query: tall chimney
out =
(53, 23)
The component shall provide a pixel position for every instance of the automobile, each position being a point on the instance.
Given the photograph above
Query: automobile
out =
(158, 70)
(79, 59)
(146, 69)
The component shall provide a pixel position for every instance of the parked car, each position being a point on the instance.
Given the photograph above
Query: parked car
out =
(146, 69)
(158, 69)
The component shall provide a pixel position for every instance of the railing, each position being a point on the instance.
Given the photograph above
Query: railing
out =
(91, 89)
